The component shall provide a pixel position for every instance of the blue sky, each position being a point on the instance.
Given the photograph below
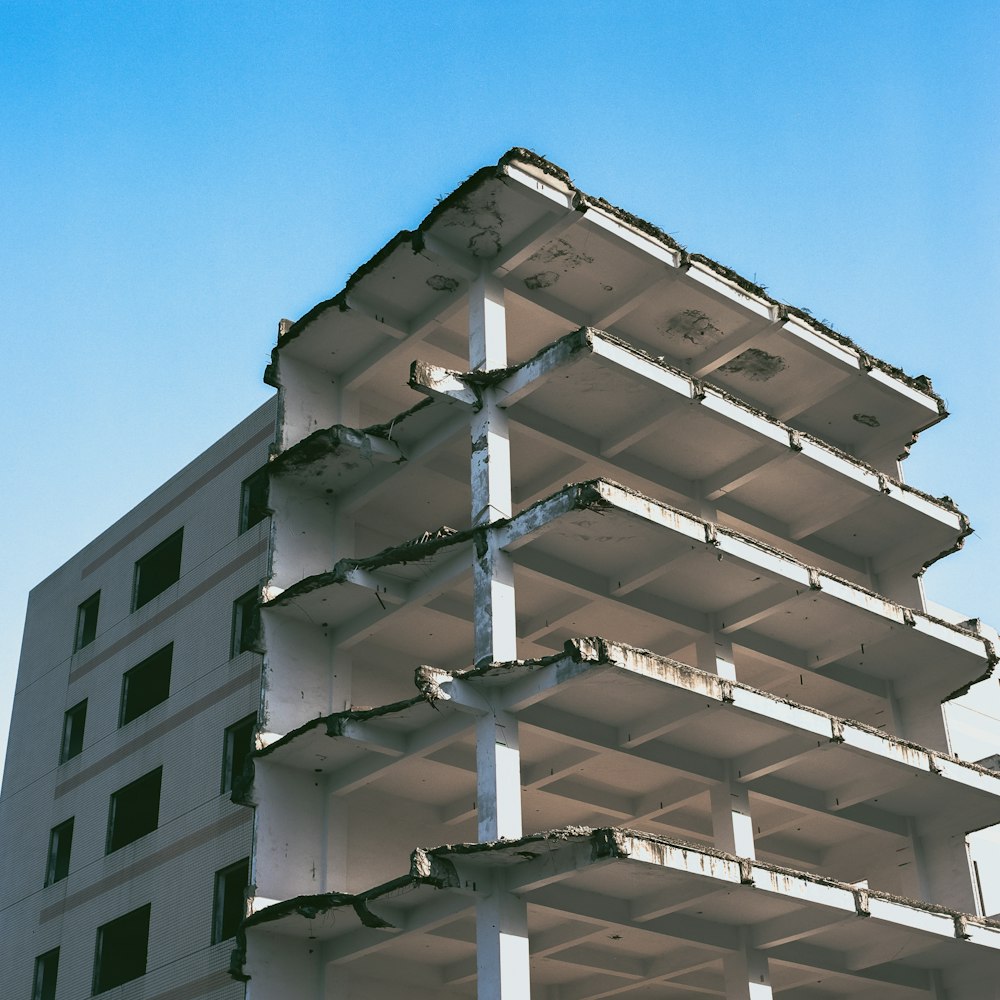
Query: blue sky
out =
(177, 176)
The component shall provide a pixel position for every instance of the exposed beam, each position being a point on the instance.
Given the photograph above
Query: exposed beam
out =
(757, 607)
(731, 346)
(782, 753)
(440, 908)
(812, 800)
(629, 300)
(824, 959)
(744, 470)
(795, 926)
(820, 515)
(397, 350)
(631, 433)
(551, 226)
(574, 580)
(589, 733)
(813, 396)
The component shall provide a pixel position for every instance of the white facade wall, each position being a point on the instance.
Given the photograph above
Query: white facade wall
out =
(200, 830)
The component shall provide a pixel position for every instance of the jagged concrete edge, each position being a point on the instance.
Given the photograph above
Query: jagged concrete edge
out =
(576, 649)
(326, 440)
(587, 495)
(335, 720)
(520, 154)
(580, 338)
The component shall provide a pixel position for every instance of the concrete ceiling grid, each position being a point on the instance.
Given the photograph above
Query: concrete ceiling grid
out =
(765, 706)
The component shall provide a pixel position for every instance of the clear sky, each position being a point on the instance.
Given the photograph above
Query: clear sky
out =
(177, 176)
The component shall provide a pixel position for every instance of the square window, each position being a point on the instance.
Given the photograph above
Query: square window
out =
(246, 622)
(146, 684)
(60, 843)
(134, 810)
(157, 570)
(86, 622)
(74, 722)
(43, 986)
(230, 900)
(238, 745)
(122, 947)
(253, 500)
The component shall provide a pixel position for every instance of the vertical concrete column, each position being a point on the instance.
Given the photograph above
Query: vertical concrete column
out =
(498, 759)
(502, 960)
(498, 777)
(919, 716)
(495, 627)
(747, 973)
(900, 585)
(715, 654)
(732, 825)
(944, 868)
(487, 324)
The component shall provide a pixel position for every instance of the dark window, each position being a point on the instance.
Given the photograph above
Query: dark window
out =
(239, 743)
(122, 945)
(86, 622)
(43, 987)
(230, 904)
(157, 570)
(73, 724)
(253, 500)
(60, 842)
(134, 810)
(246, 622)
(146, 685)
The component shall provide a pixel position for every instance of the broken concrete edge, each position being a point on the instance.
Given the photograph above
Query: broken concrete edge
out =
(590, 494)
(599, 651)
(328, 440)
(410, 551)
(966, 530)
(614, 842)
(335, 722)
(992, 659)
(582, 339)
(414, 237)
(310, 907)
(519, 155)
(435, 867)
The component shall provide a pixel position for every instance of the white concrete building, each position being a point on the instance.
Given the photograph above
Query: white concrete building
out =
(135, 701)
(655, 667)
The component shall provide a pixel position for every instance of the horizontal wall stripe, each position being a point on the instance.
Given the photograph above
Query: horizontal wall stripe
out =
(155, 732)
(185, 599)
(199, 988)
(180, 846)
(258, 438)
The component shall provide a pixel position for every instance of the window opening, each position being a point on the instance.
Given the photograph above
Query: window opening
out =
(122, 947)
(74, 722)
(246, 622)
(134, 810)
(230, 900)
(157, 570)
(43, 986)
(253, 500)
(86, 622)
(60, 843)
(238, 745)
(146, 685)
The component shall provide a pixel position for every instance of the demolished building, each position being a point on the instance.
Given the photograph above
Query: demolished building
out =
(643, 700)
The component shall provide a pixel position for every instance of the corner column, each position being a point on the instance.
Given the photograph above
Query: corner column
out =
(493, 572)
(502, 959)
